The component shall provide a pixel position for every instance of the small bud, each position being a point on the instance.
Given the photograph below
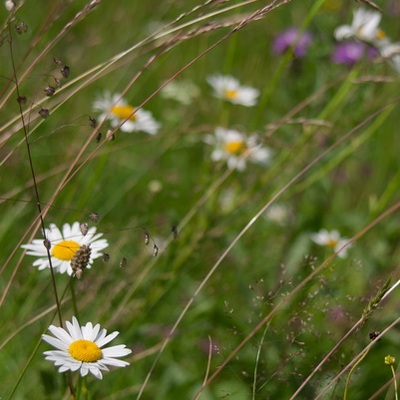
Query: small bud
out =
(389, 360)
(123, 263)
(94, 217)
(22, 100)
(84, 227)
(146, 238)
(98, 137)
(47, 244)
(65, 70)
(92, 122)
(49, 90)
(44, 113)
(106, 257)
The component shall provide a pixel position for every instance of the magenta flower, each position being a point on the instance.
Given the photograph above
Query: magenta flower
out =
(292, 37)
(351, 52)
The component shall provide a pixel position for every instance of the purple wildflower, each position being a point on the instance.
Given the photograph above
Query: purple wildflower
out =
(292, 37)
(351, 52)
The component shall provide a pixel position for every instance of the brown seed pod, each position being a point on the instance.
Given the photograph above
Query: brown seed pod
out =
(94, 217)
(92, 122)
(47, 244)
(49, 90)
(84, 227)
(155, 250)
(65, 70)
(22, 100)
(123, 263)
(44, 113)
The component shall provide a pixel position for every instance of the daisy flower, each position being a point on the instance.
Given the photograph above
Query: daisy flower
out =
(117, 110)
(80, 348)
(332, 240)
(365, 27)
(68, 248)
(228, 88)
(182, 91)
(236, 148)
(391, 52)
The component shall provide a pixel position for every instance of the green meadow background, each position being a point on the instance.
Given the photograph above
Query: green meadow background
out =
(221, 290)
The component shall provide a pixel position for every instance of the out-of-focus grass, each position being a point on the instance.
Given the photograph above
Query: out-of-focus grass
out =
(346, 190)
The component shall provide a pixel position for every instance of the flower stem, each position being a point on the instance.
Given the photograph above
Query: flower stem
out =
(394, 383)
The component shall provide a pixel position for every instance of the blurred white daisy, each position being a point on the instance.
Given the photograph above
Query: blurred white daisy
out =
(117, 110)
(278, 213)
(10, 5)
(80, 348)
(183, 91)
(65, 246)
(228, 88)
(332, 240)
(391, 52)
(365, 26)
(236, 148)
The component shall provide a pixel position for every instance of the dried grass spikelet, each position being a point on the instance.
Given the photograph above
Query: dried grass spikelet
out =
(84, 227)
(81, 260)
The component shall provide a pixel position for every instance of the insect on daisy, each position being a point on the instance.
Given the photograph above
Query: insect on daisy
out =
(117, 110)
(228, 88)
(80, 348)
(70, 250)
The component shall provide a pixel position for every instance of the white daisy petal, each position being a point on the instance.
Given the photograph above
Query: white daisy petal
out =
(79, 348)
(102, 340)
(365, 27)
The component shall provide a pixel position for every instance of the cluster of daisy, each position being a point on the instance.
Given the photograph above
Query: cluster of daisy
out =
(362, 39)
(232, 146)
(79, 348)
(364, 36)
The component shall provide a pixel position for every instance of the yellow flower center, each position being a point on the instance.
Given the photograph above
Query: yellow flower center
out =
(231, 94)
(85, 351)
(124, 112)
(380, 34)
(332, 243)
(235, 147)
(65, 250)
